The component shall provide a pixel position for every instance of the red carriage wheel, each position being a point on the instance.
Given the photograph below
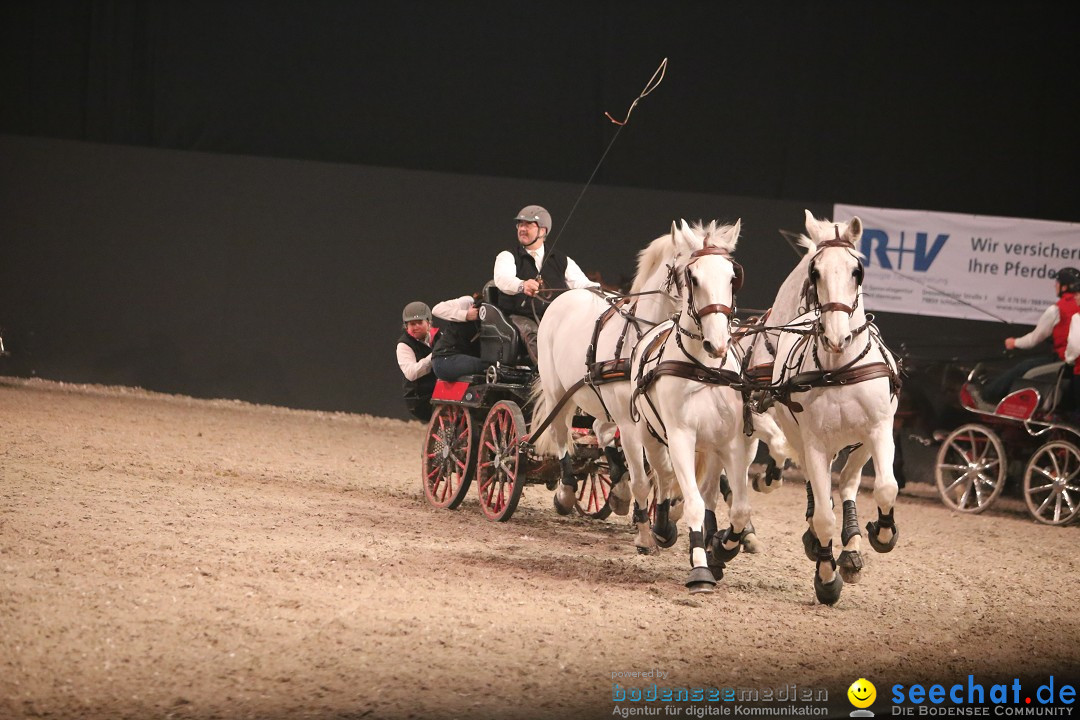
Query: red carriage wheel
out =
(592, 495)
(971, 467)
(1052, 483)
(500, 469)
(449, 456)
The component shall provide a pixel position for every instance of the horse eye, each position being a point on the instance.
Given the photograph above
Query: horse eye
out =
(813, 274)
(693, 280)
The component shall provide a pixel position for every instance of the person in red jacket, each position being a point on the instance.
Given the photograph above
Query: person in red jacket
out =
(1055, 324)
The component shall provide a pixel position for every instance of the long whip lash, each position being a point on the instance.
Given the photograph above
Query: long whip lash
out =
(654, 82)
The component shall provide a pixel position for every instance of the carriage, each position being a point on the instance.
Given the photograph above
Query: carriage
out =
(479, 430)
(975, 460)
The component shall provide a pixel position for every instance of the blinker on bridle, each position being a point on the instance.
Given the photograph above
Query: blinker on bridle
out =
(850, 247)
(736, 284)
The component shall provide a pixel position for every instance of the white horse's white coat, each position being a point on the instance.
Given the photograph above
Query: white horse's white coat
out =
(835, 417)
(696, 416)
(564, 337)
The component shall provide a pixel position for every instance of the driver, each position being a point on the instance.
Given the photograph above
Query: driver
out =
(1056, 324)
(522, 271)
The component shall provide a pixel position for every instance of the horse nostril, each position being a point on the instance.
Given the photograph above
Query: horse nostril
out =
(708, 347)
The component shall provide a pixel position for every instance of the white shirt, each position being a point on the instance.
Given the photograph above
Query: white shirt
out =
(506, 279)
(454, 310)
(1044, 328)
(412, 368)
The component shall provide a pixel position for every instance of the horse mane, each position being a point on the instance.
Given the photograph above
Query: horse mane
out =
(661, 250)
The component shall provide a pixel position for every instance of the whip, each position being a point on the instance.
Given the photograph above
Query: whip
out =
(654, 82)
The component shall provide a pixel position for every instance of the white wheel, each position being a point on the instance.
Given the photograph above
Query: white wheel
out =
(970, 470)
(1052, 483)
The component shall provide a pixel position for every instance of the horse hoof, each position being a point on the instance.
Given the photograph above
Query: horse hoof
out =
(666, 537)
(828, 592)
(850, 564)
(872, 530)
(701, 580)
(559, 508)
(716, 545)
(642, 550)
(619, 498)
(810, 545)
(751, 544)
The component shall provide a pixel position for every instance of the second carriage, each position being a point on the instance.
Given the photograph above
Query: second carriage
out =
(1026, 433)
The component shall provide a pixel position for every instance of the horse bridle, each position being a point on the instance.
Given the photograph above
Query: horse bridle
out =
(812, 281)
(736, 284)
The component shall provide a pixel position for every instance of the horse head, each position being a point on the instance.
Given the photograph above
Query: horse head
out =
(712, 279)
(834, 278)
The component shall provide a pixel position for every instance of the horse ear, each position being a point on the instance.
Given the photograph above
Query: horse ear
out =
(855, 229)
(736, 230)
(674, 232)
(811, 222)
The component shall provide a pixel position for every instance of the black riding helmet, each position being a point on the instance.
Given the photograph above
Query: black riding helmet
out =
(1069, 277)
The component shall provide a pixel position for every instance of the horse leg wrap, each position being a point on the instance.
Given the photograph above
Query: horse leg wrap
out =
(616, 466)
(874, 528)
(568, 472)
(665, 531)
(851, 522)
(772, 472)
(640, 515)
(710, 526)
(701, 578)
(809, 501)
(725, 488)
(824, 554)
(697, 540)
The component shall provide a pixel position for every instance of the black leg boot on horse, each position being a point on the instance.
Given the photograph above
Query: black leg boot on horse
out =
(566, 495)
(664, 529)
(702, 579)
(827, 591)
(850, 562)
(883, 525)
(619, 494)
(750, 541)
(715, 564)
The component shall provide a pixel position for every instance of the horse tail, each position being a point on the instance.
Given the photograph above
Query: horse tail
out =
(542, 403)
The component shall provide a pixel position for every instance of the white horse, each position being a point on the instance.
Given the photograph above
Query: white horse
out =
(568, 331)
(684, 376)
(836, 385)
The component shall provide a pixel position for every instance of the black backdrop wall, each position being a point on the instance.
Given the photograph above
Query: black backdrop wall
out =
(200, 196)
(282, 281)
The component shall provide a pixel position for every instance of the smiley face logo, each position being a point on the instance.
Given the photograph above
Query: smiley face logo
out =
(862, 693)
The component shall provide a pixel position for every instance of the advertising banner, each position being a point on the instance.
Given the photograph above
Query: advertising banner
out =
(976, 267)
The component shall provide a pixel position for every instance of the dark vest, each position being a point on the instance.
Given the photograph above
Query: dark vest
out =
(553, 275)
(458, 338)
(419, 390)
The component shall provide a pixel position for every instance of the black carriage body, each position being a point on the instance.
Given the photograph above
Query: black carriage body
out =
(478, 426)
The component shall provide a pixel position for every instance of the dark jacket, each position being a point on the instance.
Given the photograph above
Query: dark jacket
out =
(553, 276)
(417, 391)
(458, 338)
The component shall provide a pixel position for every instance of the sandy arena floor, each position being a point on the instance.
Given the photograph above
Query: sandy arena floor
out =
(169, 557)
